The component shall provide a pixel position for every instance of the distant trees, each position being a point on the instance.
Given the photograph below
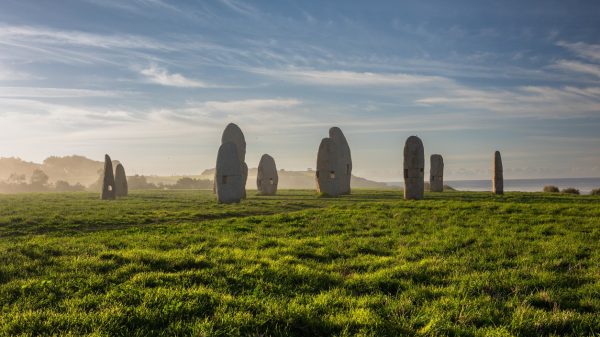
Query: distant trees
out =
(38, 182)
(570, 190)
(551, 189)
(138, 182)
(187, 183)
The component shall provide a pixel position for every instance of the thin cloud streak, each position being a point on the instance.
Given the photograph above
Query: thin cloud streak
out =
(157, 75)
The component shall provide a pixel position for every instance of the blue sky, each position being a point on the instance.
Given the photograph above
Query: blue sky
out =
(153, 83)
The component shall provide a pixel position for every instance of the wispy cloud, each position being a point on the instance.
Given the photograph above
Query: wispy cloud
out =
(44, 35)
(36, 92)
(583, 50)
(348, 78)
(575, 66)
(158, 75)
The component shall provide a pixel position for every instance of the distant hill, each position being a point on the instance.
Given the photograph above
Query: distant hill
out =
(79, 169)
(72, 169)
(299, 180)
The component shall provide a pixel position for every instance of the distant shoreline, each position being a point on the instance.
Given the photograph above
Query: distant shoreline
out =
(585, 185)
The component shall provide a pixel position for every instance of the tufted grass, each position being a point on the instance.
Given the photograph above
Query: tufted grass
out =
(164, 263)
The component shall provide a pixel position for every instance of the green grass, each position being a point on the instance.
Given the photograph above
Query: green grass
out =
(369, 264)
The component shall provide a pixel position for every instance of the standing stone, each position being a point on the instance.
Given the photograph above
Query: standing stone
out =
(234, 134)
(414, 168)
(436, 173)
(327, 176)
(228, 175)
(344, 159)
(108, 180)
(121, 189)
(267, 177)
(498, 178)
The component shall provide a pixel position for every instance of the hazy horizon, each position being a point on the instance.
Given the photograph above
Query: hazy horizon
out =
(154, 84)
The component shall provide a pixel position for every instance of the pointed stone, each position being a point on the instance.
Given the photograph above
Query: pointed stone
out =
(498, 177)
(436, 173)
(234, 134)
(108, 180)
(267, 177)
(121, 188)
(414, 168)
(344, 159)
(327, 175)
(228, 175)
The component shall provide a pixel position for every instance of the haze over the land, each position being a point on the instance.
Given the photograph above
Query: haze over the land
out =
(154, 83)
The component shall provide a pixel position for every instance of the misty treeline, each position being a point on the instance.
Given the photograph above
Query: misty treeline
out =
(39, 181)
(74, 173)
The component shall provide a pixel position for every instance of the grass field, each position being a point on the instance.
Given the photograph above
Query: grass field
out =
(369, 264)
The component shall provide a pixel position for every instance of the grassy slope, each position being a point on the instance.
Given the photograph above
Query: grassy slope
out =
(371, 264)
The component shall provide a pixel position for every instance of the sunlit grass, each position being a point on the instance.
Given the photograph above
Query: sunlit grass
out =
(177, 263)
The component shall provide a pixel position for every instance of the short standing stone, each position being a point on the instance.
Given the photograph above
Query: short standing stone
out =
(414, 167)
(498, 178)
(267, 177)
(121, 188)
(436, 173)
(228, 175)
(108, 180)
(327, 176)
(344, 159)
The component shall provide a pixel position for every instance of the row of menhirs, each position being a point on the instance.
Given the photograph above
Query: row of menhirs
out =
(333, 174)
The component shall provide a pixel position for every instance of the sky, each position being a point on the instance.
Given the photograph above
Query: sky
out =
(153, 83)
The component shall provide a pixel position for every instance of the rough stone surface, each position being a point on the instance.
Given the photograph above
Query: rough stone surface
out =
(267, 177)
(228, 175)
(436, 173)
(234, 134)
(414, 168)
(344, 159)
(121, 188)
(327, 176)
(498, 178)
(108, 180)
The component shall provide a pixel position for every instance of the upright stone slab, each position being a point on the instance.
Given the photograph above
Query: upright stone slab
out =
(121, 188)
(108, 180)
(267, 177)
(234, 134)
(327, 175)
(498, 178)
(436, 173)
(414, 168)
(228, 175)
(344, 159)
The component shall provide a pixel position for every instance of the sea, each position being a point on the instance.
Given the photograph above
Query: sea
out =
(584, 185)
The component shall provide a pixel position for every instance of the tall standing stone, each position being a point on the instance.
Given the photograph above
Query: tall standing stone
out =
(498, 178)
(436, 173)
(108, 180)
(414, 168)
(327, 175)
(121, 188)
(229, 180)
(344, 159)
(267, 177)
(234, 134)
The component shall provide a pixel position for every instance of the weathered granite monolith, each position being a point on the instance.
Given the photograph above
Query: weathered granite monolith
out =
(436, 173)
(234, 134)
(344, 159)
(498, 178)
(267, 177)
(327, 175)
(108, 180)
(414, 167)
(228, 175)
(121, 188)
